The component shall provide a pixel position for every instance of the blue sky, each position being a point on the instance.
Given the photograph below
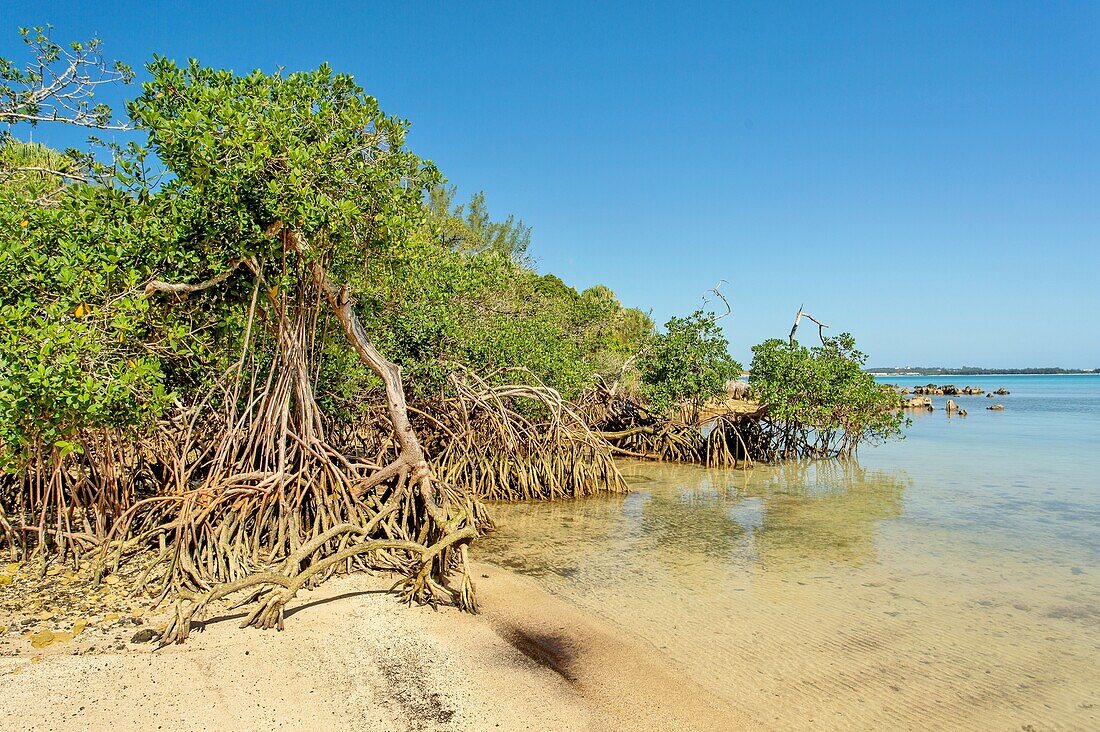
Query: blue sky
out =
(923, 175)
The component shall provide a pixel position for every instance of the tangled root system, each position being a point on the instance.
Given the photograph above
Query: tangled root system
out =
(518, 441)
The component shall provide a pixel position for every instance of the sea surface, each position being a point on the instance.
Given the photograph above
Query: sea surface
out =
(948, 580)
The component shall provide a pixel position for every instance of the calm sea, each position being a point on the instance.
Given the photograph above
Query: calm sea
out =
(949, 580)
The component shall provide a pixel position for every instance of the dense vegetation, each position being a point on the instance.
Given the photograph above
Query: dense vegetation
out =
(687, 366)
(264, 344)
(819, 401)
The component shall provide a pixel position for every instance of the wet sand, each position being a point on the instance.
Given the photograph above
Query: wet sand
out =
(352, 657)
(624, 682)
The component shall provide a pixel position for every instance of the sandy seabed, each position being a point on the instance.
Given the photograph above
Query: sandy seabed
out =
(352, 657)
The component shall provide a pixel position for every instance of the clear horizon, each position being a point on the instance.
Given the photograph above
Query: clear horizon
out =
(921, 175)
(1007, 369)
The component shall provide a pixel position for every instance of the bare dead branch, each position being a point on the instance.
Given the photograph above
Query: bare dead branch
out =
(718, 293)
(798, 319)
(47, 171)
(59, 84)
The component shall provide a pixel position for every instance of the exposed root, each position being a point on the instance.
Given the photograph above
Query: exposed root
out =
(274, 589)
(518, 441)
(723, 439)
(259, 495)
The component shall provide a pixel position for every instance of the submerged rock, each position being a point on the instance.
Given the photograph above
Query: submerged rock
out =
(996, 407)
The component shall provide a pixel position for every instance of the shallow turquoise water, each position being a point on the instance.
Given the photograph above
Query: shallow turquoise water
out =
(1027, 476)
(949, 580)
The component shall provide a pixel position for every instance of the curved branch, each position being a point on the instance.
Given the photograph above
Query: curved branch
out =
(411, 457)
(181, 289)
(798, 319)
(717, 293)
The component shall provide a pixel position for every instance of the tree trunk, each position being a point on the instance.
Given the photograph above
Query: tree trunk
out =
(410, 464)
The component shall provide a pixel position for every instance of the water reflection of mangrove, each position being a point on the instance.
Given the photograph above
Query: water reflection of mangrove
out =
(774, 517)
(792, 514)
(827, 512)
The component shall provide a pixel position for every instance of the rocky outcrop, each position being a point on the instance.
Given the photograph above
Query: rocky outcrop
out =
(1002, 392)
(951, 390)
(917, 402)
(952, 406)
(996, 407)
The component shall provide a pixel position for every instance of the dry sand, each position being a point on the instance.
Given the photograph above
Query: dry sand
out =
(352, 657)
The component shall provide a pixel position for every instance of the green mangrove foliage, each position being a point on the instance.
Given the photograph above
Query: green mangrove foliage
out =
(655, 409)
(687, 366)
(462, 294)
(814, 402)
(818, 400)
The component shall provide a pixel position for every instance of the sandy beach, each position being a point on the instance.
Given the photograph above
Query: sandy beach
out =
(352, 657)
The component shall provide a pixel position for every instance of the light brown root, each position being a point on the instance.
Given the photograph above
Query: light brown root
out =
(516, 441)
